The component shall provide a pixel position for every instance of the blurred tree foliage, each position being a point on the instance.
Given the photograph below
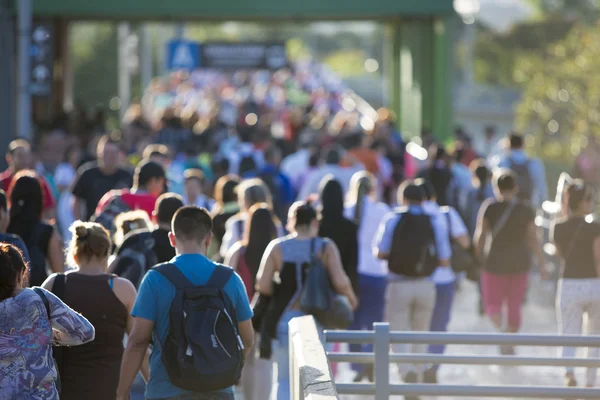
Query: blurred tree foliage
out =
(561, 97)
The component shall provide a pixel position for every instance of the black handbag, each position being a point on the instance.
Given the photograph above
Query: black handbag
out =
(330, 309)
(462, 259)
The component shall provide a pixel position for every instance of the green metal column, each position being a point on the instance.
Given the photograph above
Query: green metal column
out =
(419, 72)
(443, 67)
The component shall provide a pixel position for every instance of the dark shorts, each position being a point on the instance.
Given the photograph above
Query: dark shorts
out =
(203, 396)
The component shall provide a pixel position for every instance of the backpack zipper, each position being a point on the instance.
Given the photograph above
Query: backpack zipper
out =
(237, 336)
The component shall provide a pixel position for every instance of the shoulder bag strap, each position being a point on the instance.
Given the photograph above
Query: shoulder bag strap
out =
(220, 277)
(174, 275)
(40, 293)
(503, 219)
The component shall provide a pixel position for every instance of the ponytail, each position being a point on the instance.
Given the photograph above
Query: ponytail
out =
(362, 185)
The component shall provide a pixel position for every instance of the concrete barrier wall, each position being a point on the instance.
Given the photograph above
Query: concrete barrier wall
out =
(310, 375)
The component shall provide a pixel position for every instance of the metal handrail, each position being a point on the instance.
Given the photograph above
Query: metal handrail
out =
(381, 337)
(426, 359)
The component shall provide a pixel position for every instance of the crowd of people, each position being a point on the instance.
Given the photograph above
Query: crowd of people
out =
(147, 215)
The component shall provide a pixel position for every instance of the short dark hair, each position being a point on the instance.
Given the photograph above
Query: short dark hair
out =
(166, 206)
(108, 139)
(191, 223)
(516, 141)
(18, 144)
(409, 191)
(194, 174)
(147, 170)
(505, 181)
(332, 155)
(155, 149)
(427, 188)
(304, 213)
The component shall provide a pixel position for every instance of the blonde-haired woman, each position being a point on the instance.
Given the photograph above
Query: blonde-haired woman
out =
(91, 371)
(363, 208)
(130, 221)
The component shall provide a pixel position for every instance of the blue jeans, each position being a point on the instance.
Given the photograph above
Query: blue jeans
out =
(203, 396)
(371, 292)
(444, 297)
(282, 354)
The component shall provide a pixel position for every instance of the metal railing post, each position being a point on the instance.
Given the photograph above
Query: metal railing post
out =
(382, 360)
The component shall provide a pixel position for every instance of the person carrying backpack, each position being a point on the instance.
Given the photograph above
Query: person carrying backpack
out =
(409, 239)
(529, 172)
(245, 257)
(196, 314)
(148, 183)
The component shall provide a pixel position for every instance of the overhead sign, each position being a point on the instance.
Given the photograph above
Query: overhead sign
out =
(183, 54)
(186, 55)
(42, 60)
(224, 55)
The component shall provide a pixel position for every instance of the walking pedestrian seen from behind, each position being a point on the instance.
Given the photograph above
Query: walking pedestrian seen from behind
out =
(128, 222)
(509, 224)
(91, 371)
(250, 192)
(195, 185)
(4, 222)
(481, 191)
(97, 178)
(343, 231)
(367, 213)
(290, 256)
(30, 323)
(42, 240)
(410, 240)
(226, 207)
(166, 207)
(578, 244)
(448, 220)
(159, 296)
(245, 257)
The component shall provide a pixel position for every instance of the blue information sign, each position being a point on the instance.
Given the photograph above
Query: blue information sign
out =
(183, 54)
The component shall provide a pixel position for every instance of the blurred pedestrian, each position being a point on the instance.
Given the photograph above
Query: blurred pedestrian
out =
(42, 240)
(91, 371)
(30, 323)
(226, 206)
(367, 213)
(578, 243)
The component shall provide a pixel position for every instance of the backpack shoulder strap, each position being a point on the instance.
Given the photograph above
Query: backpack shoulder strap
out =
(220, 277)
(174, 275)
(40, 293)
(58, 288)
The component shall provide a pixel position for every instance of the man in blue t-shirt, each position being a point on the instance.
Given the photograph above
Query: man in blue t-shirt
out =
(190, 235)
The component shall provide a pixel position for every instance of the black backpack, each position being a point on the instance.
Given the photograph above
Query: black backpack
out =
(413, 253)
(135, 256)
(114, 206)
(524, 180)
(203, 351)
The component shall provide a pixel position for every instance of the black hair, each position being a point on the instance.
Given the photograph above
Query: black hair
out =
(332, 200)
(516, 141)
(483, 175)
(577, 193)
(12, 266)
(166, 207)
(247, 164)
(409, 191)
(506, 181)
(26, 204)
(304, 214)
(191, 223)
(332, 155)
(147, 170)
(427, 188)
(3, 201)
(260, 231)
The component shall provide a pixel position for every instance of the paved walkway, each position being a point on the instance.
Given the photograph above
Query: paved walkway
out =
(539, 317)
